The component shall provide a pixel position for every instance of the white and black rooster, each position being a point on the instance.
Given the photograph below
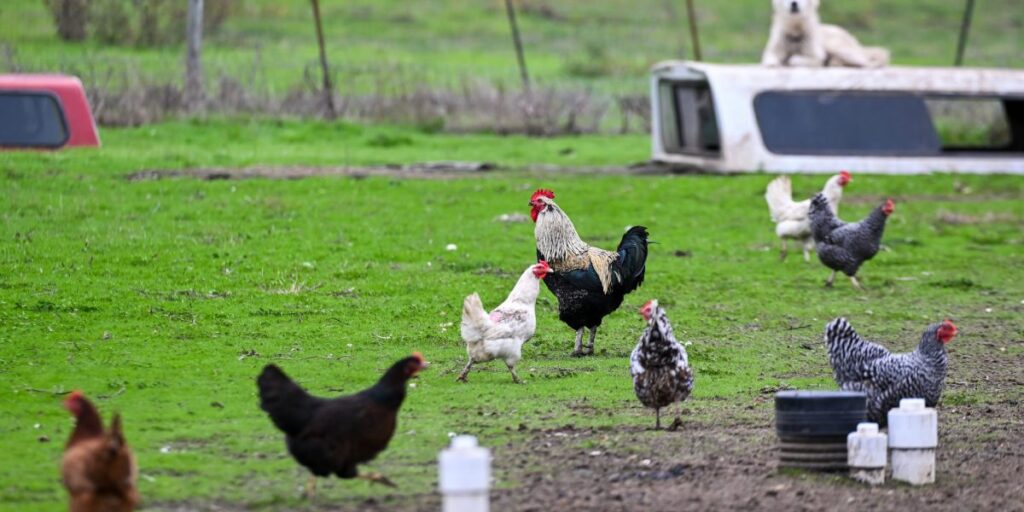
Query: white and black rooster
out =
(659, 365)
(860, 365)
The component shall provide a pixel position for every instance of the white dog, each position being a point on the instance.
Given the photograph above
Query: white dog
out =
(799, 38)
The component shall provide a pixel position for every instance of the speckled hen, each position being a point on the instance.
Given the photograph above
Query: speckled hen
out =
(846, 246)
(659, 365)
(860, 365)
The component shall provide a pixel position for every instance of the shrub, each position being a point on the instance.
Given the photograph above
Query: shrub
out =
(71, 17)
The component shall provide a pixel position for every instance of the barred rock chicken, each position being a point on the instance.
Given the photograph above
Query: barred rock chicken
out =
(334, 435)
(589, 283)
(791, 218)
(859, 365)
(501, 334)
(659, 365)
(843, 246)
(98, 467)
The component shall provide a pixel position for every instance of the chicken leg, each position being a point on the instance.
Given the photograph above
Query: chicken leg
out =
(590, 346)
(578, 350)
(785, 249)
(856, 283)
(828, 283)
(808, 245)
(657, 418)
(377, 478)
(310, 488)
(512, 368)
(678, 421)
(465, 371)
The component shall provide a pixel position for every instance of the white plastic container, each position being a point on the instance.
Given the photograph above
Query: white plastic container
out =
(465, 476)
(913, 437)
(867, 450)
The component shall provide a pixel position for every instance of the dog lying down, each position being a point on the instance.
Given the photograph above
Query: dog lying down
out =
(799, 38)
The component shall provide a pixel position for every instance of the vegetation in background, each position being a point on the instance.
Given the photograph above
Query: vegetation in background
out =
(451, 61)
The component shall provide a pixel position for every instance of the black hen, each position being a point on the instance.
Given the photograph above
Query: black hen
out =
(842, 246)
(335, 435)
(590, 283)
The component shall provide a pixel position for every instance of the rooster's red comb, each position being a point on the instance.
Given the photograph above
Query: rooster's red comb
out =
(542, 192)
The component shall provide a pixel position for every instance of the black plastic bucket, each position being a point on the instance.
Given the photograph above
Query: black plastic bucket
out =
(812, 427)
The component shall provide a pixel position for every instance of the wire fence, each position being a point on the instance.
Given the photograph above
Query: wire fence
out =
(450, 65)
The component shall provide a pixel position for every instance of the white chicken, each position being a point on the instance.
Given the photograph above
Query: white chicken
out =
(792, 221)
(501, 334)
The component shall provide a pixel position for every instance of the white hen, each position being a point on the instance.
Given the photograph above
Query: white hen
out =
(501, 334)
(792, 221)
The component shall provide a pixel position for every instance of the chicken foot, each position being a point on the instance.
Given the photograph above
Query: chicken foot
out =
(578, 348)
(377, 478)
(808, 245)
(310, 492)
(856, 283)
(678, 421)
(784, 251)
(515, 377)
(590, 346)
(465, 371)
(831, 278)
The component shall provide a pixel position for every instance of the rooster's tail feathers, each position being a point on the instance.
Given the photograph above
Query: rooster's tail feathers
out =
(289, 406)
(475, 320)
(632, 259)
(779, 196)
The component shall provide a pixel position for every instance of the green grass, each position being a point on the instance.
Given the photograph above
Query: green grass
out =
(163, 299)
(600, 45)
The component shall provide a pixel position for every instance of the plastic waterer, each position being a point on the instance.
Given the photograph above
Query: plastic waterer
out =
(913, 437)
(867, 451)
(465, 476)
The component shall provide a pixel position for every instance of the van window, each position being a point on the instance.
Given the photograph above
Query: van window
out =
(846, 123)
(688, 120)
(29, 119)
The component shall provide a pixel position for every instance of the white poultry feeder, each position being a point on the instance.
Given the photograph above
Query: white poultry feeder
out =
(897, 120)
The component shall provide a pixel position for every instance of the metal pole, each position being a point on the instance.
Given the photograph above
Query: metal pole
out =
(692, 14)
(328, 89)
(965, 28)
(511, 11)
(193, 62)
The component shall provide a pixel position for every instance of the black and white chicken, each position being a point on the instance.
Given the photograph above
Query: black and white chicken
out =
(860, 365)
(659, 365)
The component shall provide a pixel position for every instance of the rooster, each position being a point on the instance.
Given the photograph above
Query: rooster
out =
(589, 283)
(334, 435)
(843, 246)
(98, 467)
(791, 218)
(659, 365)
(859, 365)
(501, 334)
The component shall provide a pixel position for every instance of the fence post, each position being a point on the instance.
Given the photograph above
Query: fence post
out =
(193, 63)
(965, 28)
(694, 35)
(518, 43)
(325, 69)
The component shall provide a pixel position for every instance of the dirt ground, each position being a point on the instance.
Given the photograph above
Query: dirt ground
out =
(727, 460)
